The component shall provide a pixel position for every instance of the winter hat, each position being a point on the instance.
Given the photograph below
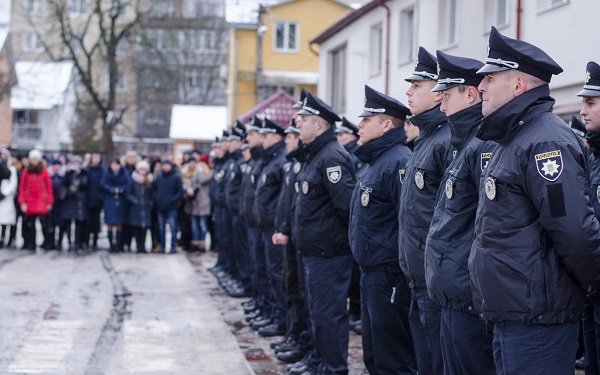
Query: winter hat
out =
(35, 154)
(5, 152)
(142, 165)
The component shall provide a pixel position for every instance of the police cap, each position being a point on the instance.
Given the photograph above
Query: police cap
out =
(591, 87)
(313, 106)
(377, 103)
(346, 126)
(425, 68)
(269, 126)
(455, 70)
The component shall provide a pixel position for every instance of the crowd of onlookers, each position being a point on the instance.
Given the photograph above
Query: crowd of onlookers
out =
(71, 196)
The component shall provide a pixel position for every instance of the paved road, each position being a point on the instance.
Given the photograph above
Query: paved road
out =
(100, 314)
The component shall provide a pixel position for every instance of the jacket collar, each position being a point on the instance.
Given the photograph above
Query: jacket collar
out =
(351, 147)
(272, 151)
(502, 124)
(256, 152)
(429, 120)
(464, 124)
(313, 148)
(370, 151)
(593, 140)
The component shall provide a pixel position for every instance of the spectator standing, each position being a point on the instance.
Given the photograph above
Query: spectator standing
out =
(139, 196)
(200, 207)
(57, 227)
(94, 198)
(188, 172)
(167, 192)
(35, 199)
(8, 191)
(115, 203)
(74, 207)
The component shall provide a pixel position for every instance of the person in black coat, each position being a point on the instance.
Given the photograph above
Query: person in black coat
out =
(57, 224)
(94, 199)
(166, 195)
(139, 196)
(74, 207)
(115, 203)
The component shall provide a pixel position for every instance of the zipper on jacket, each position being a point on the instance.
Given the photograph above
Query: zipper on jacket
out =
(393, 295)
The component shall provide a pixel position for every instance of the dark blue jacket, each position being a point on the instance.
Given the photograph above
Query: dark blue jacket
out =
(269, 185)
(373, 231)
(140, 204)
(233, 187)
(593, 140)
(115, 202)
(358, 164)
(537, 242)
(167, 191)
(251, 175)
(421, 181)
(74, 206)
(322, 207)
(220, 176)
(57, 190)
(283, 216)
(94, 192)
(451, 233)
(212, 188)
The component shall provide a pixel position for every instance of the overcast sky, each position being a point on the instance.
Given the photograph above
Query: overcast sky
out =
(247, 10)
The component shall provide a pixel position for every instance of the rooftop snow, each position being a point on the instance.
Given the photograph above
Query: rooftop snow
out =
(197, 122)
(40, 85)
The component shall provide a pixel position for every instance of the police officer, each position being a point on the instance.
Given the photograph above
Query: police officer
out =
(590, 113)
(268, 187)
(320, 232)
(347, 136)
(421, 181)
(239, 285)
(373, 233)
(297, 332)
(537, 243)
(222, 219)
(465, 341)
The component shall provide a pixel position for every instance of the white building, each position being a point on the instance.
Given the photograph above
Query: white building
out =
(43, 104)
(355, 51)
(194, 127)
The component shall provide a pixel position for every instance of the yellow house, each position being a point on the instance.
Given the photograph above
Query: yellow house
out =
(275, 54)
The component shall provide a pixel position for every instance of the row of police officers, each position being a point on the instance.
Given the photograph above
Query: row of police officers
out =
(477, 245)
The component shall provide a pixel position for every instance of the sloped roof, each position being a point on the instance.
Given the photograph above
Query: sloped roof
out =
(197, 122)
(278, 108)
(41, 85)
(283, 2)
(346, 21)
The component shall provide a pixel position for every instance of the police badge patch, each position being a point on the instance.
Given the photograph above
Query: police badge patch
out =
(297, 187)
(549, 165)
(401, 173)
(334, 174)
(485, 160)
(364, 198)
(449, 189)
(420, 180)
(297, 167)
(598, 193)
(490, 188)
(305, 187)
(264, 179)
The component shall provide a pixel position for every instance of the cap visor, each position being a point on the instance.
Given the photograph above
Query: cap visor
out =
(491, 68)
(298, 105)
(416, 77)
(291, 130)
(366, 114)
(442, 87)
(587, 92)
(303, 112)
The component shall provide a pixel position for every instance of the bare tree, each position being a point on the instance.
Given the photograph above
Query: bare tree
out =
(91, 42)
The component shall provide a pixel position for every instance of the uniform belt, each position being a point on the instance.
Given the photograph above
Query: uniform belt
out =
(387, 267)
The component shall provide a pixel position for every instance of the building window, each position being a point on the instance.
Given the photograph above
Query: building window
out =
(32, 42)
(497, 13)
(26, 118)
(545, 5)
(286, 37)
(376, 49)
(408, 37)
(448, 26)
(34, 7)
(78, 7)
(162, 8)
(337, 72)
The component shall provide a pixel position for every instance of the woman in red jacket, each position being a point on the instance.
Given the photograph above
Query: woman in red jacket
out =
(35, 198)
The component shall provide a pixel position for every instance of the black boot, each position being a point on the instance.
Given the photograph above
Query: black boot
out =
(111, 242)
(119, 244)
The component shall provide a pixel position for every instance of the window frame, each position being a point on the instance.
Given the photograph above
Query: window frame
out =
(375, 70)
(444, 23)
(285, 48)
(549, 6)
(412, 53)
(337, 95)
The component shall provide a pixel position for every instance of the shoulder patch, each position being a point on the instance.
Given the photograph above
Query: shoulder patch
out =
(485, 159)
(334, 174)
(549, 165)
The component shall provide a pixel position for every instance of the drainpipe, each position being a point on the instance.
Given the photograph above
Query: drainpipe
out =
(518, 22)
(387, 45)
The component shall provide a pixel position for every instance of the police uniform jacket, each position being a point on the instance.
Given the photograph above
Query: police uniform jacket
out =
(251, 174)
(269, 185)
(233, 188)
(283, 215)
(593, 140)
(373, 231)
(424, 172)
(221, 182)
(212, 188)
(537, 242)
(321, 210)
(351, 147)
(451, 232)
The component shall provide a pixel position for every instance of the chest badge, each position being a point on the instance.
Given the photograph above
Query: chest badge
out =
(420, 180)
(232, 176)
(264, 179)
(252, 179)
(598, 193)
(297, 187)
(490, 188)
(449, 189)
(364, 198)
(297, 167)
(305, 187)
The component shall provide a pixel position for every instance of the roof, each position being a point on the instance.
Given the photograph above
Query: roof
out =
(280, 77)
(278, 107)
(284, 2)
(346, 21)
(197, 122)
(41, 85)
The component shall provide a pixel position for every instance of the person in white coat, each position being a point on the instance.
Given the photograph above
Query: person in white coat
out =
(8, 190)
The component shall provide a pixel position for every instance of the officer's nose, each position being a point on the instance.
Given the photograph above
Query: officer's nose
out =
(482, 85)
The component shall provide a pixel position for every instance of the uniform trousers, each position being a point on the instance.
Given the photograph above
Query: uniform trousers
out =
(424, 318)
(274, 272)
